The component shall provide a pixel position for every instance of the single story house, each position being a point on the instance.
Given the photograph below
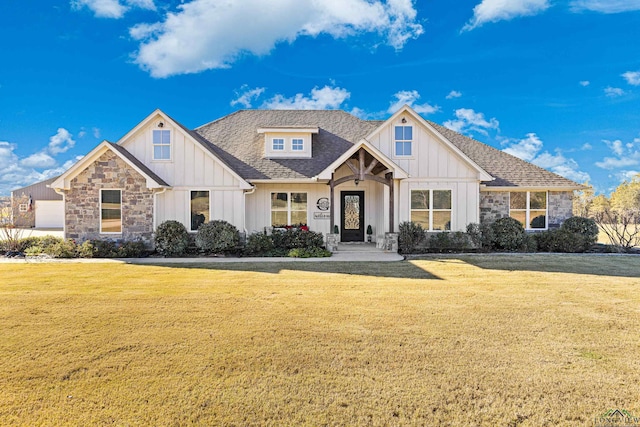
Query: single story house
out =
(269, 168)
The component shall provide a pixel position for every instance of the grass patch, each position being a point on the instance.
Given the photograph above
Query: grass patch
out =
(475, 340)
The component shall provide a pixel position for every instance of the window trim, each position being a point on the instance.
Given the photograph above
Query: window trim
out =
(161, 144)
(289, 205)
(431, 210)
(189, 200)
(403, 141)
(293, 144)
(100, 210)
(527, 210)
(273, 144)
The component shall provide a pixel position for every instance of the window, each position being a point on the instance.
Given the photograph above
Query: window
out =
(288, 209)
(110, 211)
(23, 207)
(278, 144)
(297, 144)
(161, 145)
(431, 209)
(199, 209)
(403, 138)
(530, 208)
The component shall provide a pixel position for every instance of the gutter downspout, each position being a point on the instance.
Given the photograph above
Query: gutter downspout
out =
(244, 210)
(155, 207)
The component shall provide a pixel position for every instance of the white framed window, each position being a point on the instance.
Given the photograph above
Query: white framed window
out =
(23, 207)
(277, 144)
(288, 209)
(161, 144)
(199, 208)
(431, 209)
(110, 211)
(297, 144)
(530, 208)
(403, 141)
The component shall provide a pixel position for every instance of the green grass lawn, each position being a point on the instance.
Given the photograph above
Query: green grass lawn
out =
(531, 340)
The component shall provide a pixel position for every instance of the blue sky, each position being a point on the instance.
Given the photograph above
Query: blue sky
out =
(555, 82)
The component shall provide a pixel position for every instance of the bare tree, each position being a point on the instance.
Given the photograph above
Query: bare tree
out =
(619, 216)
(19, 211)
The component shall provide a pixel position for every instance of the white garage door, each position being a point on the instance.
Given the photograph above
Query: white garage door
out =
(49, 213)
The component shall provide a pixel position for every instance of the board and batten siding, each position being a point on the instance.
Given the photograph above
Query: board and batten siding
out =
(191, 168)
(432, 165)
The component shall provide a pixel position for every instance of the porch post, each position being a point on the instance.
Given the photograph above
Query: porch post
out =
(391, 207)
(332, 219)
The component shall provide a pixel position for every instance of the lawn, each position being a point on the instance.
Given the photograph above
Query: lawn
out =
(519, 340)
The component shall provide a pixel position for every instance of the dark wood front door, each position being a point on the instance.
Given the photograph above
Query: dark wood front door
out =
(352, 216)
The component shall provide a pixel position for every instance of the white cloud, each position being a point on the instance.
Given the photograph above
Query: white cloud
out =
(203, 34)
(320, 99)
(585, 83)
(504, 10)
(61, 142)
(96, 133)
(245, 96)
(38, 160)
(111, 8)
(605, 6)
(586, 146)
(410, 97)
(613, 92)
(632, 77)
(530, 150)
(467, 121)
(454, 94)
(625, 154)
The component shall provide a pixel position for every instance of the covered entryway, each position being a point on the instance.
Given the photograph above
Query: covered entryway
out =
(352, 216)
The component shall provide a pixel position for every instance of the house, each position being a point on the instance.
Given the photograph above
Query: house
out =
(267, 168)
(37, 205)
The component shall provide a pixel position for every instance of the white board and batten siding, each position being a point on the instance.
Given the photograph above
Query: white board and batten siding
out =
(432, 165)
(191, 168)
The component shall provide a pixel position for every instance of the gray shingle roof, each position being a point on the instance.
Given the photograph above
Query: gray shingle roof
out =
(234, 139)
(508, 170)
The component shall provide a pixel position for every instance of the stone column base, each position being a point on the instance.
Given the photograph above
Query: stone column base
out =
(332, 242)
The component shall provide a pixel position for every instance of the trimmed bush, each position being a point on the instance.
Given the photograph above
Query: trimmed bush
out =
(456, 241)
(576, 234)
(259, 244)
(217, 237)
(410, 237)
(585, 227)
(171, 238)
(62, 249)
(309, 253)
(132, 249)
(297, 243)
(508, 235)
(86, 249)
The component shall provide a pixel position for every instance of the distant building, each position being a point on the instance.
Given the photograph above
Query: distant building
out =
(37, 205)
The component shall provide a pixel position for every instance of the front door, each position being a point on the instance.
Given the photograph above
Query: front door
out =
(352, 216)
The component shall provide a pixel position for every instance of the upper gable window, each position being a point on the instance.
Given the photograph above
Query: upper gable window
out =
(278, 144)
(403, 140)
(161, 144)
(297, 144)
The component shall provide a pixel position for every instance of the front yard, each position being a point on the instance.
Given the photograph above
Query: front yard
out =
(491, 340)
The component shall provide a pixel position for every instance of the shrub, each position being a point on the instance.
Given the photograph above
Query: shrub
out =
(410, 237)
(456, 241)
(508, 235)
(217, 237)
(585, 227)
(309, 253)
(171, 238)
(61, 249)
(86, 249)
(481, 236)
(104, 248)
(576, 234)
(259, 244)
(132, 249)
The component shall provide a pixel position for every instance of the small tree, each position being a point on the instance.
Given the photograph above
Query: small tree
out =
(619, 217)
(18, 212)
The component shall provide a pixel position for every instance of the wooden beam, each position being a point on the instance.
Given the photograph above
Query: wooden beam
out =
(353, 168)
(354, 177)
(372, 165)
(361, 159)
(332, 215)
(391, 204)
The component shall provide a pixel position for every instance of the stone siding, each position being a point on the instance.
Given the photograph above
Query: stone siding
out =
(82, 202)
(560, 207)
(495, 205)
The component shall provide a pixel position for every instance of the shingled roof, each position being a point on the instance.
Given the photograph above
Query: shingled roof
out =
(235, 140)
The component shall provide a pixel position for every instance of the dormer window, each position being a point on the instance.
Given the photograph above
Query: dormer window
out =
(403, 141)
(288, 142)
(161, 144)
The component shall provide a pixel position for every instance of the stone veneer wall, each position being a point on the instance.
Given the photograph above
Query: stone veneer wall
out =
(495, 205)
(82, 201)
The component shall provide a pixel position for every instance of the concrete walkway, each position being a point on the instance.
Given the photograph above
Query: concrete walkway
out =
(362, 252)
